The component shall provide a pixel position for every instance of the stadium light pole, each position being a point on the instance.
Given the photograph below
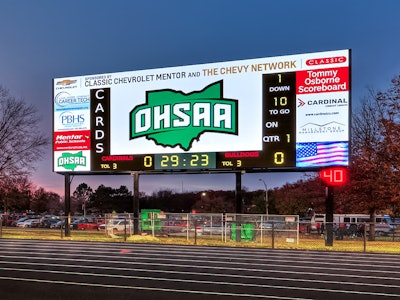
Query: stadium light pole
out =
(266, 196)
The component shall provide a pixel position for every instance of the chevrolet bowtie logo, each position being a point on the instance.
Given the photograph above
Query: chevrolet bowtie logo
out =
(66, 82)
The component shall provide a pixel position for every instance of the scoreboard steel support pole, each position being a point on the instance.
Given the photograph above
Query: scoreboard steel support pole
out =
(67, 196)
(333, 176)
(135, 203)
(239, 206)
(329, 216)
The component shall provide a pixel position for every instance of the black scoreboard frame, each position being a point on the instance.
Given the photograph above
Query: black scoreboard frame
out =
(279, 131)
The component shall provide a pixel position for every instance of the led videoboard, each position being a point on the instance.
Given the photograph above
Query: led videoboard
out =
(273, 113)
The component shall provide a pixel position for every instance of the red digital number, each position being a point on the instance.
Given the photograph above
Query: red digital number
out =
(335, 176)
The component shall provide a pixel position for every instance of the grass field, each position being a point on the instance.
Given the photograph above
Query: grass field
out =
(383, 245)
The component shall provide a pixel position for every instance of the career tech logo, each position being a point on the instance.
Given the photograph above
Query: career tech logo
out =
(172, 118)
(65, 100)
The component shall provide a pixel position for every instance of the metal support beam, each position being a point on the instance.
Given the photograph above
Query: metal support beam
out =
(67, 203)
(329, 216)
(135, 203)
(239, 206)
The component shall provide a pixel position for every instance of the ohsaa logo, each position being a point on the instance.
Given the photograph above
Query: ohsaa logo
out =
(172, 118)
(70, 161)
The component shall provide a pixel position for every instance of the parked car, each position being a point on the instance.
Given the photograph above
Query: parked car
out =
(47, 222)
(212, 229)
(29, 223)
(84, 224)
(9, 219)
(59, 224)
(20, 220)
(117, 225)
(306, 225)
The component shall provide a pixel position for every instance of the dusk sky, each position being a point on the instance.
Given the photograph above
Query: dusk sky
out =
(46, 39)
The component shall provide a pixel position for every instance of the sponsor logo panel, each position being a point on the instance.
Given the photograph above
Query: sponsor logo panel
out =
(67, 161)
(69, 101)
(326, 60)
(322, 80)
(72, 140)
(66, 82)
(72, 120)
(322, 117)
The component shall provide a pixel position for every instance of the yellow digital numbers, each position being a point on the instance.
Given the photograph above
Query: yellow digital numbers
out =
(194, 160)
(169, 160)
(174, 160)
(184, 161)
(204, 160)
(279, 158)
(148, 161)
(279, 120)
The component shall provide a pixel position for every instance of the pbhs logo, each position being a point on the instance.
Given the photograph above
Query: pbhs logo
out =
(172, 118)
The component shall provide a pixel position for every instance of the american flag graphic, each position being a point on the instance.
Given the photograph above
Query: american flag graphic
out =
(321, 154)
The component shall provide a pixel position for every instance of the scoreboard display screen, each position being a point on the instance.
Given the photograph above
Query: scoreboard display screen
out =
(274, 113)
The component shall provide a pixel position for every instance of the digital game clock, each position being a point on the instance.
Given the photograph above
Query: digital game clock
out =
(185, 161)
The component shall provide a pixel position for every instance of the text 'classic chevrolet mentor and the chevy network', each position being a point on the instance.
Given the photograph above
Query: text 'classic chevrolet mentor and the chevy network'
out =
(275, 113)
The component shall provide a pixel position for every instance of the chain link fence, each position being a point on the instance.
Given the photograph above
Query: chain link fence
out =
(272, 231)
(220, 227)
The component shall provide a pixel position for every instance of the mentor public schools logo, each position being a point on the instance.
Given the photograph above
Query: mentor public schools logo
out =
(72, 140)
